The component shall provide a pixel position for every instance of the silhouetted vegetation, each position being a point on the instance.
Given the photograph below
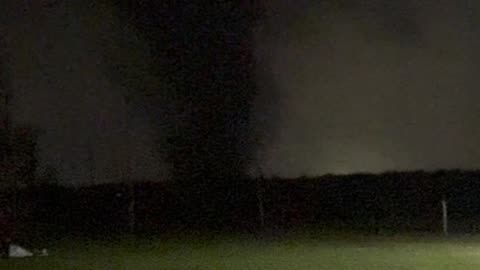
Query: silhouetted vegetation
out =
(392, 202)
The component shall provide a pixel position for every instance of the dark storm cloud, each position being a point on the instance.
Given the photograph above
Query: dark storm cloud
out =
(60, 57)
(370, 86)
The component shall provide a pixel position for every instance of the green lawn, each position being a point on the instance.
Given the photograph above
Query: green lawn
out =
(236, 253)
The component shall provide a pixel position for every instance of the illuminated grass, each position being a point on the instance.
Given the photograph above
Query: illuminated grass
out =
(292, 253)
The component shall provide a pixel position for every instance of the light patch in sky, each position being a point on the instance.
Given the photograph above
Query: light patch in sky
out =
(354, 94)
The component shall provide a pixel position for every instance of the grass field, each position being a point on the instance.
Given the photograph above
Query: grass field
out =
(312, 252)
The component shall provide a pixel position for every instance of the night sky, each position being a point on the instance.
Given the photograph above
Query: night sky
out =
(343, 86)
(60, 56)
(371, 86)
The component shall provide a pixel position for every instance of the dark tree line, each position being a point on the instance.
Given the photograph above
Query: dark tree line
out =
(396, 202)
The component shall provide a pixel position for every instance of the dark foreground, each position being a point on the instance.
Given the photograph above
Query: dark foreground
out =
(293, 252)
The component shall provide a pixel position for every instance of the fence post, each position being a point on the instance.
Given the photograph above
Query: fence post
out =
(445, 216)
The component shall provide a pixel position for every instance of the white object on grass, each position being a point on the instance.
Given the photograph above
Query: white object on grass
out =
(15, 251)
